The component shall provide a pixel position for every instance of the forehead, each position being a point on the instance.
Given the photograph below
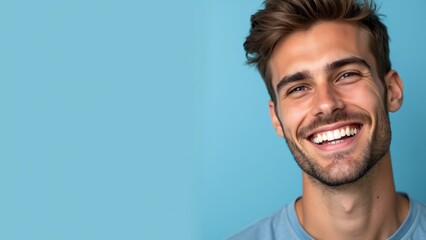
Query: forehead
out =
(321, 44)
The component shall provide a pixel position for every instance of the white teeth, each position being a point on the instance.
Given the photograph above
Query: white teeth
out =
(332, 135)
(335, 142)
(336, 134)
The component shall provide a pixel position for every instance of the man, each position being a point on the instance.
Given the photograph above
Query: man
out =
(327, 69)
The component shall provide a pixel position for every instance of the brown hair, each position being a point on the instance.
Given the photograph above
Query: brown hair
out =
(281, 18)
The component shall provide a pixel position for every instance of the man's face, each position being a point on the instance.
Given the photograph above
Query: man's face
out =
(331, 105)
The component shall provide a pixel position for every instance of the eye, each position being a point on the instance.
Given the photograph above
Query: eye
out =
(297, 89)
(348, 75)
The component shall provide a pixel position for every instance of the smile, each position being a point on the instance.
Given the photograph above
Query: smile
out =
(335, 136)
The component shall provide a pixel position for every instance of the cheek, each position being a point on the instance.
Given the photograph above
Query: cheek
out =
(368, 97)
(293, 116)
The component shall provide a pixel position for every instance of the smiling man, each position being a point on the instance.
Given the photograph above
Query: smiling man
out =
(327, 69)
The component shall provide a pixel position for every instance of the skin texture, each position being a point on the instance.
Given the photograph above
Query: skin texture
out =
(325, 78)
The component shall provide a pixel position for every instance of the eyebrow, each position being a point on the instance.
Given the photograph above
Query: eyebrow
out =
(292, 78)
(329, 68)
(346, 61)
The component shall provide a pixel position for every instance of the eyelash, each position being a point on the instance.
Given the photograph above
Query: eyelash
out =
(301, 88)
(348, 74)
(297, 89)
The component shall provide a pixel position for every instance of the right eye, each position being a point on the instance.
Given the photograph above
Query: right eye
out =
(297, 89)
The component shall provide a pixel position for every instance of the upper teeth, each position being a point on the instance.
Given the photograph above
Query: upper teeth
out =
(334, 134)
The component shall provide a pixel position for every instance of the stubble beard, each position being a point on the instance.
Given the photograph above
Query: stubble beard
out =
(342, 169)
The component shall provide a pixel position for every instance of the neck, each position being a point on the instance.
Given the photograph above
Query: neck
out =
(367, 209)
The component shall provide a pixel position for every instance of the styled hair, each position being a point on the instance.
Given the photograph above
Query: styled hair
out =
(280, 18)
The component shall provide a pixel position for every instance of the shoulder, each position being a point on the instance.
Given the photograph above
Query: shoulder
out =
(277, 226)
(418, 228)
(262, 229)
(420, 212)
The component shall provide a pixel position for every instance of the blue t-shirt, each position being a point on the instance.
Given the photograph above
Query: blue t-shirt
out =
(285, 225)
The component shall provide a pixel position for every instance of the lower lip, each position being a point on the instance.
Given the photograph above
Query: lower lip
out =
(339, 145)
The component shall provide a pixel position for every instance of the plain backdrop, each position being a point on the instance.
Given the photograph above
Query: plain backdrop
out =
(139, 119)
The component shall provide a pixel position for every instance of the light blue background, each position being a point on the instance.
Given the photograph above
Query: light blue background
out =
(139, 120)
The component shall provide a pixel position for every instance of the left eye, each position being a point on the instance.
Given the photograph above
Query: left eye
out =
(348, 74)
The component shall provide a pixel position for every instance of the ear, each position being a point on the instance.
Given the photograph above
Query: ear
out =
(275, 119)
(394, 90)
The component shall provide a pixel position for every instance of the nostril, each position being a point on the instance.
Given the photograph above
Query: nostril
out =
(328, 105)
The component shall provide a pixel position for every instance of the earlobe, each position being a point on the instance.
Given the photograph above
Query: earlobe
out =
(394, 88)
(275, 119)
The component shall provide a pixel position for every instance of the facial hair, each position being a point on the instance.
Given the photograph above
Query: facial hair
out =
(334, 175)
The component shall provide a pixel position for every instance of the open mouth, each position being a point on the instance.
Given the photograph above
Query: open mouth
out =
(335, 136)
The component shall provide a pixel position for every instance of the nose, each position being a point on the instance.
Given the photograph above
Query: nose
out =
(326, 100)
